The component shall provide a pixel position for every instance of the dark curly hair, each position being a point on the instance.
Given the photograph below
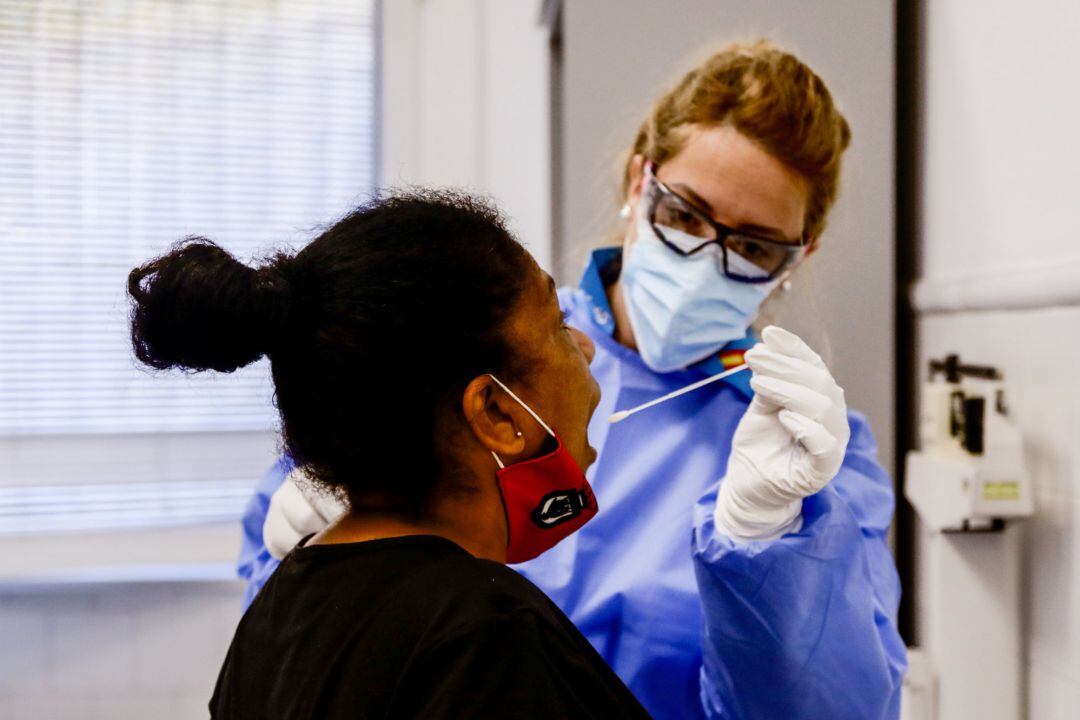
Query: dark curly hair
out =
(373, 330)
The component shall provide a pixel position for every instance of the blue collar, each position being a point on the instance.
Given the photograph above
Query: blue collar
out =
(592, 282)
(595, 289)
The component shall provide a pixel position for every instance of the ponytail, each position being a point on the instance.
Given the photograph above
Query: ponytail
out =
(198, 308)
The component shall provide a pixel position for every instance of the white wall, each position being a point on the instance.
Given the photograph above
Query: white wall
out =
(113, 651)
(620, 54)
(1001, 278)
(118, 622)
(1000, 105)
(466, 103)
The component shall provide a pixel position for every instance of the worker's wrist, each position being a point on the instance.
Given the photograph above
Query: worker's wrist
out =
(749, 517)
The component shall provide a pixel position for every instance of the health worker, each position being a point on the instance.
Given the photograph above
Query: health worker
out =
(738, 567)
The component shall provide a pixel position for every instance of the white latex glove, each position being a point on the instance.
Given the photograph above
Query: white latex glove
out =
(789, 444)
(295, 513)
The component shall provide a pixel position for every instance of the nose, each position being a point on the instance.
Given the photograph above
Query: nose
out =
(585, 343)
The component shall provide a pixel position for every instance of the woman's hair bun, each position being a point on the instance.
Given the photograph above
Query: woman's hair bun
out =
(199, 308)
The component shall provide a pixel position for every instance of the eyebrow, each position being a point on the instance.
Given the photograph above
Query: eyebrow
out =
(701, 204)
(553, 291)
(559, 315)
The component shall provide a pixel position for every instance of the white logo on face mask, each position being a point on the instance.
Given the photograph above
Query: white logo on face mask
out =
(559, 506)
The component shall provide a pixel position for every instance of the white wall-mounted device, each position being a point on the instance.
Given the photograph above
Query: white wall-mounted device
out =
(968, 484)
(969, 473)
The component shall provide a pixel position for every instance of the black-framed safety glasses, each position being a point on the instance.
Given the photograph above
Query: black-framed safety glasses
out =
(687, 230)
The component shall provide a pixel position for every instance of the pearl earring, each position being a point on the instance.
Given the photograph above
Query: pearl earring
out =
(518, 433)
(786, 286)
(624, 211)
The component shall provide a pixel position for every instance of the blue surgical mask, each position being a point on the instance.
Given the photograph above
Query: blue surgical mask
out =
(684, 309)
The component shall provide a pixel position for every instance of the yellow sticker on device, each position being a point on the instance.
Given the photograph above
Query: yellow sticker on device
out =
(1001, 490)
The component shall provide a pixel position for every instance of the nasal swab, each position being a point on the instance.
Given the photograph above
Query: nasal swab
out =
(623, 414)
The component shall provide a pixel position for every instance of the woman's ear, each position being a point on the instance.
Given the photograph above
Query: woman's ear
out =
(493, 417)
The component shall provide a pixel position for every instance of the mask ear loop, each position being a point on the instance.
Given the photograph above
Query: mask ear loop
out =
(528, 409)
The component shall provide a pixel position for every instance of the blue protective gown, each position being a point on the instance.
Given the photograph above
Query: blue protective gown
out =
(694, 624)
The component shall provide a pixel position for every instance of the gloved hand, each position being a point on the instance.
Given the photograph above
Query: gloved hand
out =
(295, 513)
(789, 444)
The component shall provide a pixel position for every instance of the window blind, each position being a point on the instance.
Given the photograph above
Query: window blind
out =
(128, 124)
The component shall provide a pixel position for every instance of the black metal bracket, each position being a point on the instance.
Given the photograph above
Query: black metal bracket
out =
(996, 525)
(954, 370)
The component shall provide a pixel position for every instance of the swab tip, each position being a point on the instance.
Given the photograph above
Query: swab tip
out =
(621, 415)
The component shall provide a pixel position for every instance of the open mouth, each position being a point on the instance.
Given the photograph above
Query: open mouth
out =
(591, 453)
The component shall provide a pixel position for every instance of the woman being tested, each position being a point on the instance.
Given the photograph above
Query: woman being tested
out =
(740, 567)
(404, 607)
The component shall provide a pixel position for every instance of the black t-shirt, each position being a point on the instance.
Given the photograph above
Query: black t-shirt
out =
(410, 627)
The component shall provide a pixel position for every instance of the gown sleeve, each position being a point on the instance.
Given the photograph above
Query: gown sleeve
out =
(805, 626)
(255, 563)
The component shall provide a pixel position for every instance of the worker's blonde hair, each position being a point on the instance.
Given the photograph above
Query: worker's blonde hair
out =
(766, 94)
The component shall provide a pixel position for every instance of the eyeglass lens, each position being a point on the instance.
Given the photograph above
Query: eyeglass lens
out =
(756, 259)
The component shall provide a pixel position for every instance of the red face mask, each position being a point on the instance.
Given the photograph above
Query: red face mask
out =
(546, 498)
